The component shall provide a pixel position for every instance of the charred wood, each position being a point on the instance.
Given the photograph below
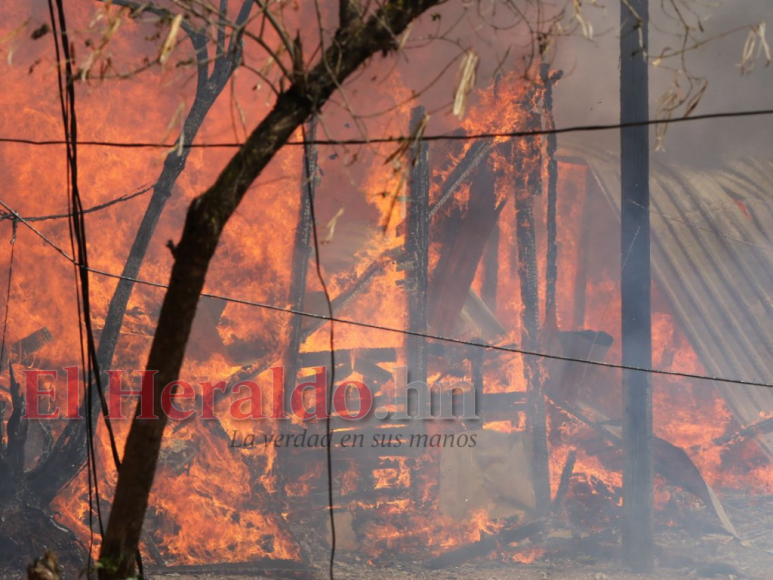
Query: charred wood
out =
(22, 350)
(372, 372)
(251, 370)
(563, 484)
(551, 274)
(501, 406)
(48, 439)
(478, 152)
(476, 376)
(417, 248)
(376, 355)
(670, 462)
(527, 184)
(487, 545)
(480, 320)
(17, 431)
(151, 549)
(463, 246)
(19, 545)
(579, 345)
(302, 250)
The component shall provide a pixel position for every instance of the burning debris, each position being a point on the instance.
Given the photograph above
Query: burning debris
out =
(404, 353)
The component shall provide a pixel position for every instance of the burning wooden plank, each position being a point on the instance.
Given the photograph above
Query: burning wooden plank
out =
(465, 241)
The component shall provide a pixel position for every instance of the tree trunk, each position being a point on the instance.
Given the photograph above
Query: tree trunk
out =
(206, 218)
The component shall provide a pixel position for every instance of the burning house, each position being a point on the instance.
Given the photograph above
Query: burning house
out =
(414, 360)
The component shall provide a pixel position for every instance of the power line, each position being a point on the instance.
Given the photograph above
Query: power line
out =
(404, 138)
(494, 347)
(127, 197)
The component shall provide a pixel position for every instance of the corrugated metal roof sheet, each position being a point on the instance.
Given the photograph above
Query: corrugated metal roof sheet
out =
(712, 257)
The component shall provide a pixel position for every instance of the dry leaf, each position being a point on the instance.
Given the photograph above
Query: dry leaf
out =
(171, 40)
(331, 226)
(587, 27)
(755, 45)
(465, 81)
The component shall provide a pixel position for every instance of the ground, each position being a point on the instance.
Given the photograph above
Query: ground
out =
(691, 544)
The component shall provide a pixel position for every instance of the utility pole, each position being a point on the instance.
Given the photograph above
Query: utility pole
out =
(637, 533)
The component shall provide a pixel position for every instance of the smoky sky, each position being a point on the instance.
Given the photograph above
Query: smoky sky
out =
(589, 93)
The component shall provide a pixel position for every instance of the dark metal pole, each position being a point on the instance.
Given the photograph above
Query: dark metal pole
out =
(637, 533)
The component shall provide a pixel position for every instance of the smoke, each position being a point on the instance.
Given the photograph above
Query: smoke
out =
(589, 92)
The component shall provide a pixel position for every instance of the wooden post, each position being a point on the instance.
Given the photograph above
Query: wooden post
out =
(637, 532)
(417, 247)
(417, 278)
(302, 250)
(529, 184)
(551, 167)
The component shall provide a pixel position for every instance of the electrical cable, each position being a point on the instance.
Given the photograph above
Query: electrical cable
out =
(405, 138)
(77, 230)
(326, 292)
(372, 326)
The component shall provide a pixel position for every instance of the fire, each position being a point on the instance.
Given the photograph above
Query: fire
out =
(216, 504)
